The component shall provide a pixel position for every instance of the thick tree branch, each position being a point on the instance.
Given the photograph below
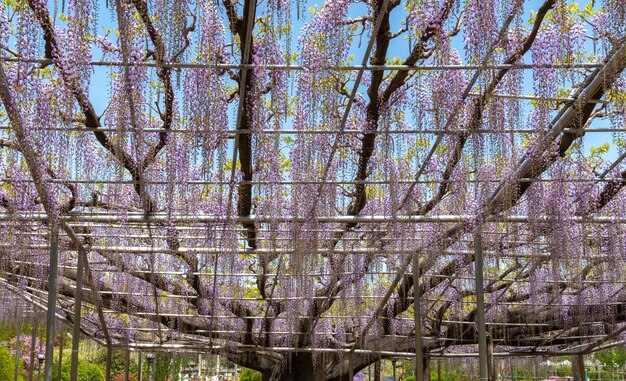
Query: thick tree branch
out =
(512, 191)
(92, 121)
(164, 74)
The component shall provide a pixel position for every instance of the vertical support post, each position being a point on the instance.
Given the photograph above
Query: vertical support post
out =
(511, 369)
(417, 319)
(426, 370)
(491, 369)
(393, 364)
(33, 343)
(126, 364)
(78, 301)
(140, 366)
(17, 344)
(199, 365)
(61, 340)
(377, 371)
(350, 370)
(108, 362)
(209, 366)
(480, 307)
(217, 367)
(536, 375)
(578, 367)
(439, 370)
(52, 298)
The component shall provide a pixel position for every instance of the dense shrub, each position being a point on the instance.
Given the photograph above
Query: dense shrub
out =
(7, 365)
(86, 371)
(250, 375)
(117, 361)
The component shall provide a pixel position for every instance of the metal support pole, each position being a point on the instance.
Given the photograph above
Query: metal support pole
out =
(439, 370)
(140, 366)
(417, 320)
(480, 307)
(126, 364)
(17, 345)
(78, 300)
(350, 370)
(52, 298)
(511, 369)
(377, 371)
(578, 366)
(108, 362)
(60, 356)
(217, 372)
(491, 369)
(199, 365)
(207, 365)
(427, 367)
(33, 342)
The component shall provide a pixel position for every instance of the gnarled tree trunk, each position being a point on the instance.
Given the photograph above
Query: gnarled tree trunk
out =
(426, 370)
(300, 368)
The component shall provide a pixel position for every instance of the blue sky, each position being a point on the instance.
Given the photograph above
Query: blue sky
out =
(399, 47)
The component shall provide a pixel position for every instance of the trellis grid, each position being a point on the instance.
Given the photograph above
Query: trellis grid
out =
(269, 200)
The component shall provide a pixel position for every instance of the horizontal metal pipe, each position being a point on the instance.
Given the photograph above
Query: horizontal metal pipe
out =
(123, 236)
(126, 235)
(230, 133)
(313, 182)
(137, 218)
(320, 274)
(203, 229)
(217, 250)
(182, 65)
(134, 250)
(538, 98)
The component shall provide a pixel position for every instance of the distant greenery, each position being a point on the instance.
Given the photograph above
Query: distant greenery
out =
(611, 357)
(6, 333)
(9, 332)
(611, 363)
(165, 363)
(117, 361)
(7, 366)
(86, 371)
(250, 375)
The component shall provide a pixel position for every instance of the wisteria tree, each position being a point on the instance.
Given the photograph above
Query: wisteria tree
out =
(229, 187)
